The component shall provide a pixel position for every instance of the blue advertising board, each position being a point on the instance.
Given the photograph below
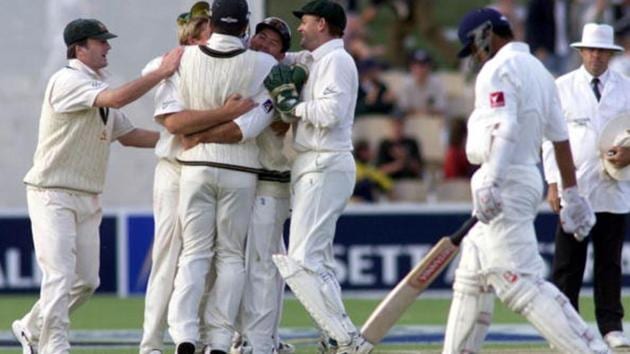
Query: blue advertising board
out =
(374, 250)
(19, 272)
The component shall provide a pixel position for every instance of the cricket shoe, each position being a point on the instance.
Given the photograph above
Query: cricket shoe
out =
(21, 334)
(285, 348)
(616, 339)
(327, 346)
(185, 348)
(241, 347)
(358, 346)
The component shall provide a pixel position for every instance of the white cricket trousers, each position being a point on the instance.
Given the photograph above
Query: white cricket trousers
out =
(215, 207)
(65, 228)
(167, 245)
(321, 185)
(264, 287)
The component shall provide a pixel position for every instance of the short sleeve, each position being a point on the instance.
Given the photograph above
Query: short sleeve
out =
(74, 91)
(121, 125)
(167, 97)
(556, 127)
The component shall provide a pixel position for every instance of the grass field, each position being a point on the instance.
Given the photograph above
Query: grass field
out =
(111, 313)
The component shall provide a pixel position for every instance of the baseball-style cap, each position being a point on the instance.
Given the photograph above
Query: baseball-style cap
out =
(472, 20)
(82, 28)
(420, 56)
(199, 9)
(329, 10)
(230, 13)
(278, 25)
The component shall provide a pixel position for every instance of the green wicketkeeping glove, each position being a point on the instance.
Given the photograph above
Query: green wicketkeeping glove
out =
(284, 84)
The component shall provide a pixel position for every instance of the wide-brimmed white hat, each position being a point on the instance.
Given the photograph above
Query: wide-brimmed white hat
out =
(597, 36)
(615, 133)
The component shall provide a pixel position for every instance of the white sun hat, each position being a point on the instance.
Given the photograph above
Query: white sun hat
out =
(616, 132)
(597, 36)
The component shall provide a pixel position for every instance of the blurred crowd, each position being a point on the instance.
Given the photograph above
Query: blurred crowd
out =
(413, 101)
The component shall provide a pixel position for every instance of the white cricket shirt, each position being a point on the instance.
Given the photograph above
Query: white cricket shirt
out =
(74, 137)
(328, 101)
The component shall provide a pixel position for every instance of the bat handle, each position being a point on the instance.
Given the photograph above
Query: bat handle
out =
(458, 236)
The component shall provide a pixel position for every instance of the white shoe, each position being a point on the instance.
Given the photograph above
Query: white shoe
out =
(241, 347)
(285, 348)
(616, 339)
(358, 346)
(22, 335)
(155, 351)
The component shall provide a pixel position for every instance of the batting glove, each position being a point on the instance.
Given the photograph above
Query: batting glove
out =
(576, 216)
(487, 202)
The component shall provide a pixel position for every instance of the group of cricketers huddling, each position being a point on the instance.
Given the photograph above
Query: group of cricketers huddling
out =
(225, 103)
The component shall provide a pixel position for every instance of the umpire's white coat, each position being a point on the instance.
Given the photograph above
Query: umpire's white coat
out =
(585, 119)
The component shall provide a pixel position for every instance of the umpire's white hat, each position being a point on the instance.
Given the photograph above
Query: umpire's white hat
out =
(616, 132)
(597, 36)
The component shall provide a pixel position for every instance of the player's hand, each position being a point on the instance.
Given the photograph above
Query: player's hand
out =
(487, 202)
(170, 61)
(279, 127)
(619, 156)
(284, 84)
(576, 216)
(553, 197)
(235, 105)
(188, 141)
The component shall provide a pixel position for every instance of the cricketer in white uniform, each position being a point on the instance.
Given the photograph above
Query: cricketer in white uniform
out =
(516, 105)
(323, 173)
(67, 177)
(214, 201)
(193, 29)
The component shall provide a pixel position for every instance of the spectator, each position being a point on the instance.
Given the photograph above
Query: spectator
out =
(371, 183)
(399, 156)
(422, 92)
(374, 96)
(621, 62)
(548, 33)
(456, 163)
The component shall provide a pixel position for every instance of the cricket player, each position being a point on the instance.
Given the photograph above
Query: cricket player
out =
(79, 120)
(261, 306)
(193, 28)
(216, 195)
(323, 173)
(516, 106)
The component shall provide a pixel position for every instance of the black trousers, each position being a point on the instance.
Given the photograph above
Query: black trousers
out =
(569, 261)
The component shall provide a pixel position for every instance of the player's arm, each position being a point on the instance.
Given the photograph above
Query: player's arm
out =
(336, 98)
(141, 138)
(226, 133)
(247, 126)
(131, 91)
(192, 121)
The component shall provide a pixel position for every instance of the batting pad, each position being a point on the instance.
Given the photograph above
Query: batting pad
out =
(549, 311)
(307, 287)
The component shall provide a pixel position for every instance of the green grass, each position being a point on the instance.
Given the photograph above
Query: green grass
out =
(108, 312)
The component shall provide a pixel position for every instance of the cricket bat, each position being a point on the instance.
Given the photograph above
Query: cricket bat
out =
(417, 280)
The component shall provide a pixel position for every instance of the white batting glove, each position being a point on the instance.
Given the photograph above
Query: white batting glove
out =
(576, 216)
(487, 202)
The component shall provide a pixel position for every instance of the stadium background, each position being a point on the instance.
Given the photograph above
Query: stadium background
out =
(376, 243)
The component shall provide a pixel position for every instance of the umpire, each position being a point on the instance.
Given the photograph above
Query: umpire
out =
(591, 96)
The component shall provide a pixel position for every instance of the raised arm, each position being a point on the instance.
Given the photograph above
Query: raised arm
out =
(131, 91)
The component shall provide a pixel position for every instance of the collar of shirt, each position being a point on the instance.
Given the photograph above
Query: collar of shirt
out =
(326, 48)
(513, 47)
(225, 43)
(78, 65)
(587, 77)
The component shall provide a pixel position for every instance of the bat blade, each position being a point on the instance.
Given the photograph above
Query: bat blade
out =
(405, 293)
(416, 281)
